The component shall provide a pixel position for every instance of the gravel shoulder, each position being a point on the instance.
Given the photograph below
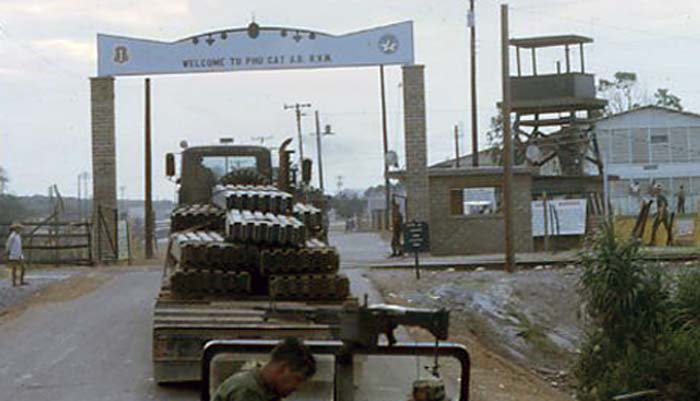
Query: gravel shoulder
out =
(521, 329)
(38, 279)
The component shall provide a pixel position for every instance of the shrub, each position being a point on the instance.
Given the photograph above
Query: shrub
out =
(643, 335)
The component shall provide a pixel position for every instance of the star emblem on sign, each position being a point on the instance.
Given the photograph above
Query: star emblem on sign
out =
(388, 44)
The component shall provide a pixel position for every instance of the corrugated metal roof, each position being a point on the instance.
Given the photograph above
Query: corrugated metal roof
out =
(650, 107)
(549, 41)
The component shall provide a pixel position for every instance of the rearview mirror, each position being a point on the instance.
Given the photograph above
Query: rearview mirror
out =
(306, 171)
(170, 165)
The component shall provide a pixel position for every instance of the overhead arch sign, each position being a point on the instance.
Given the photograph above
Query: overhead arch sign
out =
(255, 48)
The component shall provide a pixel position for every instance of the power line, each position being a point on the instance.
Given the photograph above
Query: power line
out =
(30, 49)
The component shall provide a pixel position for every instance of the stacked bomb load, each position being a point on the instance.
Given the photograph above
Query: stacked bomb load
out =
(253, 239)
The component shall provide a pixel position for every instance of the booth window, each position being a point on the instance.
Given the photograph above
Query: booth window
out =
(476, 201)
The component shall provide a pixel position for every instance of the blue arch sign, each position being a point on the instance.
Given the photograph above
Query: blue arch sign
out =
(255, 48)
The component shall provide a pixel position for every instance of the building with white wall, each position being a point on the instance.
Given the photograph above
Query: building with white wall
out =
(651, 145)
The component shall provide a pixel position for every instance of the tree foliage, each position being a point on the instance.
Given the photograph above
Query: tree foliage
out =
(623, 94)
(644, 325)
(348, 205)
(12, 209)
(664, 98)
(494, 136)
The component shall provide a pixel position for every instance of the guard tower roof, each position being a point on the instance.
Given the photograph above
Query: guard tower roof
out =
(549, 41)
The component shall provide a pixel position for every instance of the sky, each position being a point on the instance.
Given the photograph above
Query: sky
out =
(48, 53)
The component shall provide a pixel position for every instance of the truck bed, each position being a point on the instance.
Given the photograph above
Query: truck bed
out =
(181, 327)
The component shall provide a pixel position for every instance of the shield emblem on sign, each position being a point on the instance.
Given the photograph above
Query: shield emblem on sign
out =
(121, 55)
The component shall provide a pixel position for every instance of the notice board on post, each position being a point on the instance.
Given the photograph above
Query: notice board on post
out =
(564, 217)
(416, 237)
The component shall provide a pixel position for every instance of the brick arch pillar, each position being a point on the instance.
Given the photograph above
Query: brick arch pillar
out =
(104, 163)
(416, 181)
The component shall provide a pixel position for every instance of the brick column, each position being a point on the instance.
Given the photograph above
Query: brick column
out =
(104, 173)
(417, 190)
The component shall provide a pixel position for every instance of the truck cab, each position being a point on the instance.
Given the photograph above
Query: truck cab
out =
(204, 166)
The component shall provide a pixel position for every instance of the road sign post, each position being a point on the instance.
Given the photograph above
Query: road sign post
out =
(416, 239)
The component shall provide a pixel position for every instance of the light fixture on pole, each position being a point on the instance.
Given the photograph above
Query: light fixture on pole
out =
(326, 132)
(297, 107)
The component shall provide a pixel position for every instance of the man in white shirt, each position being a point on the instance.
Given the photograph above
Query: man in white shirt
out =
(14, 255)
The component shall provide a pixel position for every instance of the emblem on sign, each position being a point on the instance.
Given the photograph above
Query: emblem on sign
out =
(121, 55)
(388, 44)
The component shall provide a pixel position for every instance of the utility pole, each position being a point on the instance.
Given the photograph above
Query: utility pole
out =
(122, 204)
(297, 109)
(471, 21)
(79, 201)
(456, 145)
(148, 204)
(387, 184)
(319, 149)
(507, 145)
(339, 182)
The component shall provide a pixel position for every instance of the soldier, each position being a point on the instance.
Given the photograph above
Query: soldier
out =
(396, 227)
(681, 201)
(14, 255)
(662, 216)
(291, 364)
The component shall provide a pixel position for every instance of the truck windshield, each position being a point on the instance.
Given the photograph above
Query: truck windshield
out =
(222, 165)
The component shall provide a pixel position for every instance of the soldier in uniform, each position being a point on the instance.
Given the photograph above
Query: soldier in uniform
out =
(662, 215)
(396, 227)
(291, 364)
(681, 201)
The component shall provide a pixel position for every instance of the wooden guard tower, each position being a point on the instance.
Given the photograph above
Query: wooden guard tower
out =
(554, 111)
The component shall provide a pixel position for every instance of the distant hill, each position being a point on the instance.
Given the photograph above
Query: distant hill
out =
(13, 208)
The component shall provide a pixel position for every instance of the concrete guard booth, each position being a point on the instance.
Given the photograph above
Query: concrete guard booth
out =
(255, 48)
(466, 210)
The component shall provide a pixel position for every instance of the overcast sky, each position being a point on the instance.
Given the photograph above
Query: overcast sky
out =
(48, 51)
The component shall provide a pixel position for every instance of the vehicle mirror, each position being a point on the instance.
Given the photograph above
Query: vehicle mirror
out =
(170, 165)
(306, 171)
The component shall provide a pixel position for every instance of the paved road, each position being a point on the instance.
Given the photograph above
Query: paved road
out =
(98, 346)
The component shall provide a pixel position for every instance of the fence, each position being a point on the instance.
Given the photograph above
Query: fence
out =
(113, 237)
(54, 242)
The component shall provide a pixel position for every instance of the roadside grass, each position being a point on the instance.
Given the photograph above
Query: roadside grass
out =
(535, 334)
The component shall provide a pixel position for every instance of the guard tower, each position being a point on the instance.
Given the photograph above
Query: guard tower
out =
(554, 111)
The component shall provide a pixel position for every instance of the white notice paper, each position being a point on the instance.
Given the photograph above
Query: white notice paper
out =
(565, 217)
